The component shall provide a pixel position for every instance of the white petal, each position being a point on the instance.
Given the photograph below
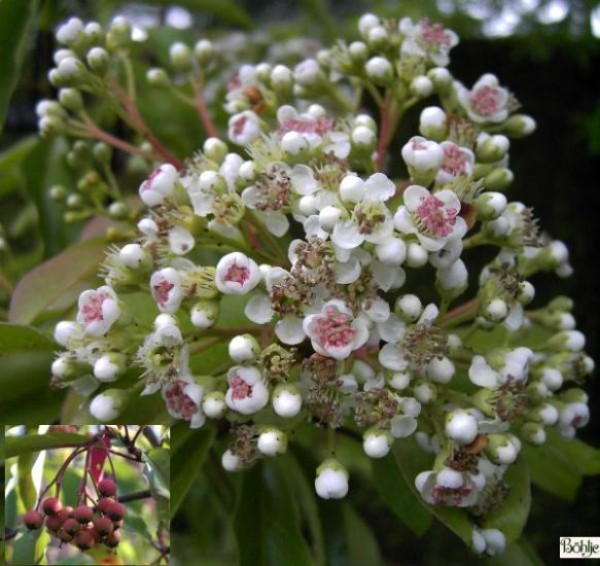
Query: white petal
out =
(412, 196)
(403, 426)
(276, 222)
(392, 358)
(289, 330)
(258, 309)
(346, 235)
(480, 373)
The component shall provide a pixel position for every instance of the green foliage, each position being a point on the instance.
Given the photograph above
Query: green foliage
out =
(23, 445)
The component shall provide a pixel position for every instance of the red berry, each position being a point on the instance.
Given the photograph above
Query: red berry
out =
(55, 523)
(71, 526)
(112, 539)
(84, 514)
(33, 520)
(105, 504)
(107, 487)
(116, 511)
(51, 506)
(68, 512)
(103, 526)
(84, 540)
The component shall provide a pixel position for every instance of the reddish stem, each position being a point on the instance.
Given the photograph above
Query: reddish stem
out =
(460, 310)
(207, 121)
(99, 133)
(142, 127)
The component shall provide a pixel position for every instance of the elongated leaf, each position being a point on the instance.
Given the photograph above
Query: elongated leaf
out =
(19, 338)
(45, 167)
(585, 458)
(158, 472)
(16, 20)
(17, 445)
(160, 460)
(57, 282)
(186, 463)
(29, 548)
(362, 544)
(266, 521)
(15, 155)
(411, 461)
(26, 488)
(511, 515)
(398, 496)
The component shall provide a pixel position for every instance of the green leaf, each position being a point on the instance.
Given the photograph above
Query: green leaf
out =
(511, 515)
(585, 458)
(18, 338)
(187, 461)
(56, 284)
(520, 552)
(30, 547)
(362, 544)
(26, 487)
(412, 460)
(17, 18)
(266, 521)
(17, 445)
(158, 472)
(398, 496)
(43, 168)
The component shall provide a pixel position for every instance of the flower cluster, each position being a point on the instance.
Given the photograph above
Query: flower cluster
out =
(301, 252)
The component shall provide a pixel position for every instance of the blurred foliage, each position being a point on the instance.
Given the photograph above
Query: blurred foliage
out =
(551, 67)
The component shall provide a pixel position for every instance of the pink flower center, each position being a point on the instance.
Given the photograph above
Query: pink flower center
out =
(162, 290)
(180, 403)
(455, 160)
(237, 274)
(434, 34)
(92, 310)
(334, 329)
(435, 217)
(485, 100)
(450, 495)
(147, 184)
(318, 126)
(239, 125)
(239, 388)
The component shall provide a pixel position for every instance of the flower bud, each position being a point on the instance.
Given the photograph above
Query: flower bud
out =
(97, 58)
(461, 427)
(332, 480)
(244, 348)
(380, 71)
(452, 281)
(135, 256)
(180, 57)
(108, 405)
(71, 99)
(294, 144)
(328, 217)
(110, 366)
(272, 442)
(490, 205)
(499, 179)
(70, 32)
(533, 433)
(433, 123)
(408, 307)
(392, 252)
(366, 22)
(213, 404)
(416, 255)
(377, 443)
(519, 125)
(308, 73)
(441, 79)
(421, 86)
(119, 34)
(158, 78)
(490, 149)
(502, 449)
(287, 400)
(94, 33)
(230, 461)
(65, 331)
(377, 37)
(363, 136)
(358, 51)
(204, 314)
(440, 370)
(204, 51)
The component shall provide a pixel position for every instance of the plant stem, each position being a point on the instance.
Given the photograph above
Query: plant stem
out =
(144, 494)
(462, 313)
(141, 126)
(200, 103)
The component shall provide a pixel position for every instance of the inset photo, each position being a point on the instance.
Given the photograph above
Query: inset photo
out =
(86, 494)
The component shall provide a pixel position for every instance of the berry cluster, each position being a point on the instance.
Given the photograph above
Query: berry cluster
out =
(85, 526)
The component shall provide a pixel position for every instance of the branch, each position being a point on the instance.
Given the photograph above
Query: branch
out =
(135, 496)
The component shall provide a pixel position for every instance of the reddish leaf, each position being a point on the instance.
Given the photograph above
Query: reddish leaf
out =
(56, 283)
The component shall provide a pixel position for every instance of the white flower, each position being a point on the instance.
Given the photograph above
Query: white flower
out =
(514, 370)
(449, 487)
(432, 217)
(486, 102)
(572, 417)
(167, 289)
(422, 155)
(236, 274)
(244, 127)
(332, 480)
(98, 310)
(457, 161)
(183, 398)
(247, 393)
(335, 332)
(426, 40)
(180, 240)
(159, 185)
